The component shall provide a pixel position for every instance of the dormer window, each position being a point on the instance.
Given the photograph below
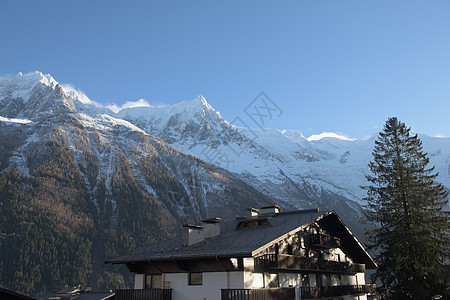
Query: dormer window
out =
(252, 223)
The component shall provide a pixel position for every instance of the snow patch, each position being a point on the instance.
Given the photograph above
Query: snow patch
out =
(316, 137)
(105, 122)
(129, 104)
(16, 121)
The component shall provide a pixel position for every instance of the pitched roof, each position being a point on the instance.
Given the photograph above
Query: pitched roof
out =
(243, 242)
(7, 294)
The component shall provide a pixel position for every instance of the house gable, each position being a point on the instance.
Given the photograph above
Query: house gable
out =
(332, 226)
(266, 249)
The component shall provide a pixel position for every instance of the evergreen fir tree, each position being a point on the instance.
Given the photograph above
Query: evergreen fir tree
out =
(411, 239)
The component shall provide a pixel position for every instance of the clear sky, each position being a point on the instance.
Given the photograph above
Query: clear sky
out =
(341, 66)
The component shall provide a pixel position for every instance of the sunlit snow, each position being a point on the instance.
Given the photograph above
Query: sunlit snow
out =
(18, 121)
(316, 137)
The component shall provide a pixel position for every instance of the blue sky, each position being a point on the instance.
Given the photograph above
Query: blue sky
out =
(341, 66)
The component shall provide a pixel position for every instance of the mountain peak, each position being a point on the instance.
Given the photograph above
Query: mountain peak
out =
(294, 135)
(199, 102)
(20, 86)
(32, 78)
(202, 100)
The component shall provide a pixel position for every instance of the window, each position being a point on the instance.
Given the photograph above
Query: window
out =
(195, 278)
(252, 223)
(289, 250)
(153, 281)
(305, 279)
(319, 281)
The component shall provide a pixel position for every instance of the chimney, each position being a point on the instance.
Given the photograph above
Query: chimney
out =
(252, 213)
(192, 234)
(212, 227)
(270, 210)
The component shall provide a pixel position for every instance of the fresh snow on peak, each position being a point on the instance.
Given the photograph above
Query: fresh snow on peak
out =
(32, 78)
(316, 137)
(129, 104)
(20, 86)
(199, 104)
(203, 102)
(188, 109)
(294, 135)
(76, 94)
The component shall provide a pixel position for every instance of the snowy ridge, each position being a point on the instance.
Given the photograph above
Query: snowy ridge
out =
(21, 85)
(281, 164)
(77, 95)
(161, 116)
(269, 158)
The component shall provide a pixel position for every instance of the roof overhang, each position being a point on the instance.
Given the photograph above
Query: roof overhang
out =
(179, 258)
(331, 222)
(349, 243)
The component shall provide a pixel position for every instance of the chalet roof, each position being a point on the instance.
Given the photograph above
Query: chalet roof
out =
(83, 295)
(7, 294)
(247, 242)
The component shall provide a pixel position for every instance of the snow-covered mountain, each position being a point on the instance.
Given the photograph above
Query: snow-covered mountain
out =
(281, 163)
(324, 170)
(100, 181)
(97, 185)
(91, 132)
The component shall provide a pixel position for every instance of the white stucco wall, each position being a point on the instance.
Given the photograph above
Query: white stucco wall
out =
(213, 282)
(253, 280)
(361, 278)
(348, 279)
(257, 280)
(139, 281)
(336, 254)
(236, 280)
(248, 262)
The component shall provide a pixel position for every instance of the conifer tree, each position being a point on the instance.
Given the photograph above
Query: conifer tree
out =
(411, 238)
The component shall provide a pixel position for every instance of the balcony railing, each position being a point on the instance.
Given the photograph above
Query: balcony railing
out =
(324, 241)
(149, 294)
(317, 292)
(293, 262)
(289, 293)
(236, 294)
(258, 294)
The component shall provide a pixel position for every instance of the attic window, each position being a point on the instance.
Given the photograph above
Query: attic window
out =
(252, 223)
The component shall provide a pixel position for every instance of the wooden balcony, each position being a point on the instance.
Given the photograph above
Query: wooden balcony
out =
(302, 292)
(301, 263)
(149, 294)
(258, 294)
(318, 292)
(324, 241)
